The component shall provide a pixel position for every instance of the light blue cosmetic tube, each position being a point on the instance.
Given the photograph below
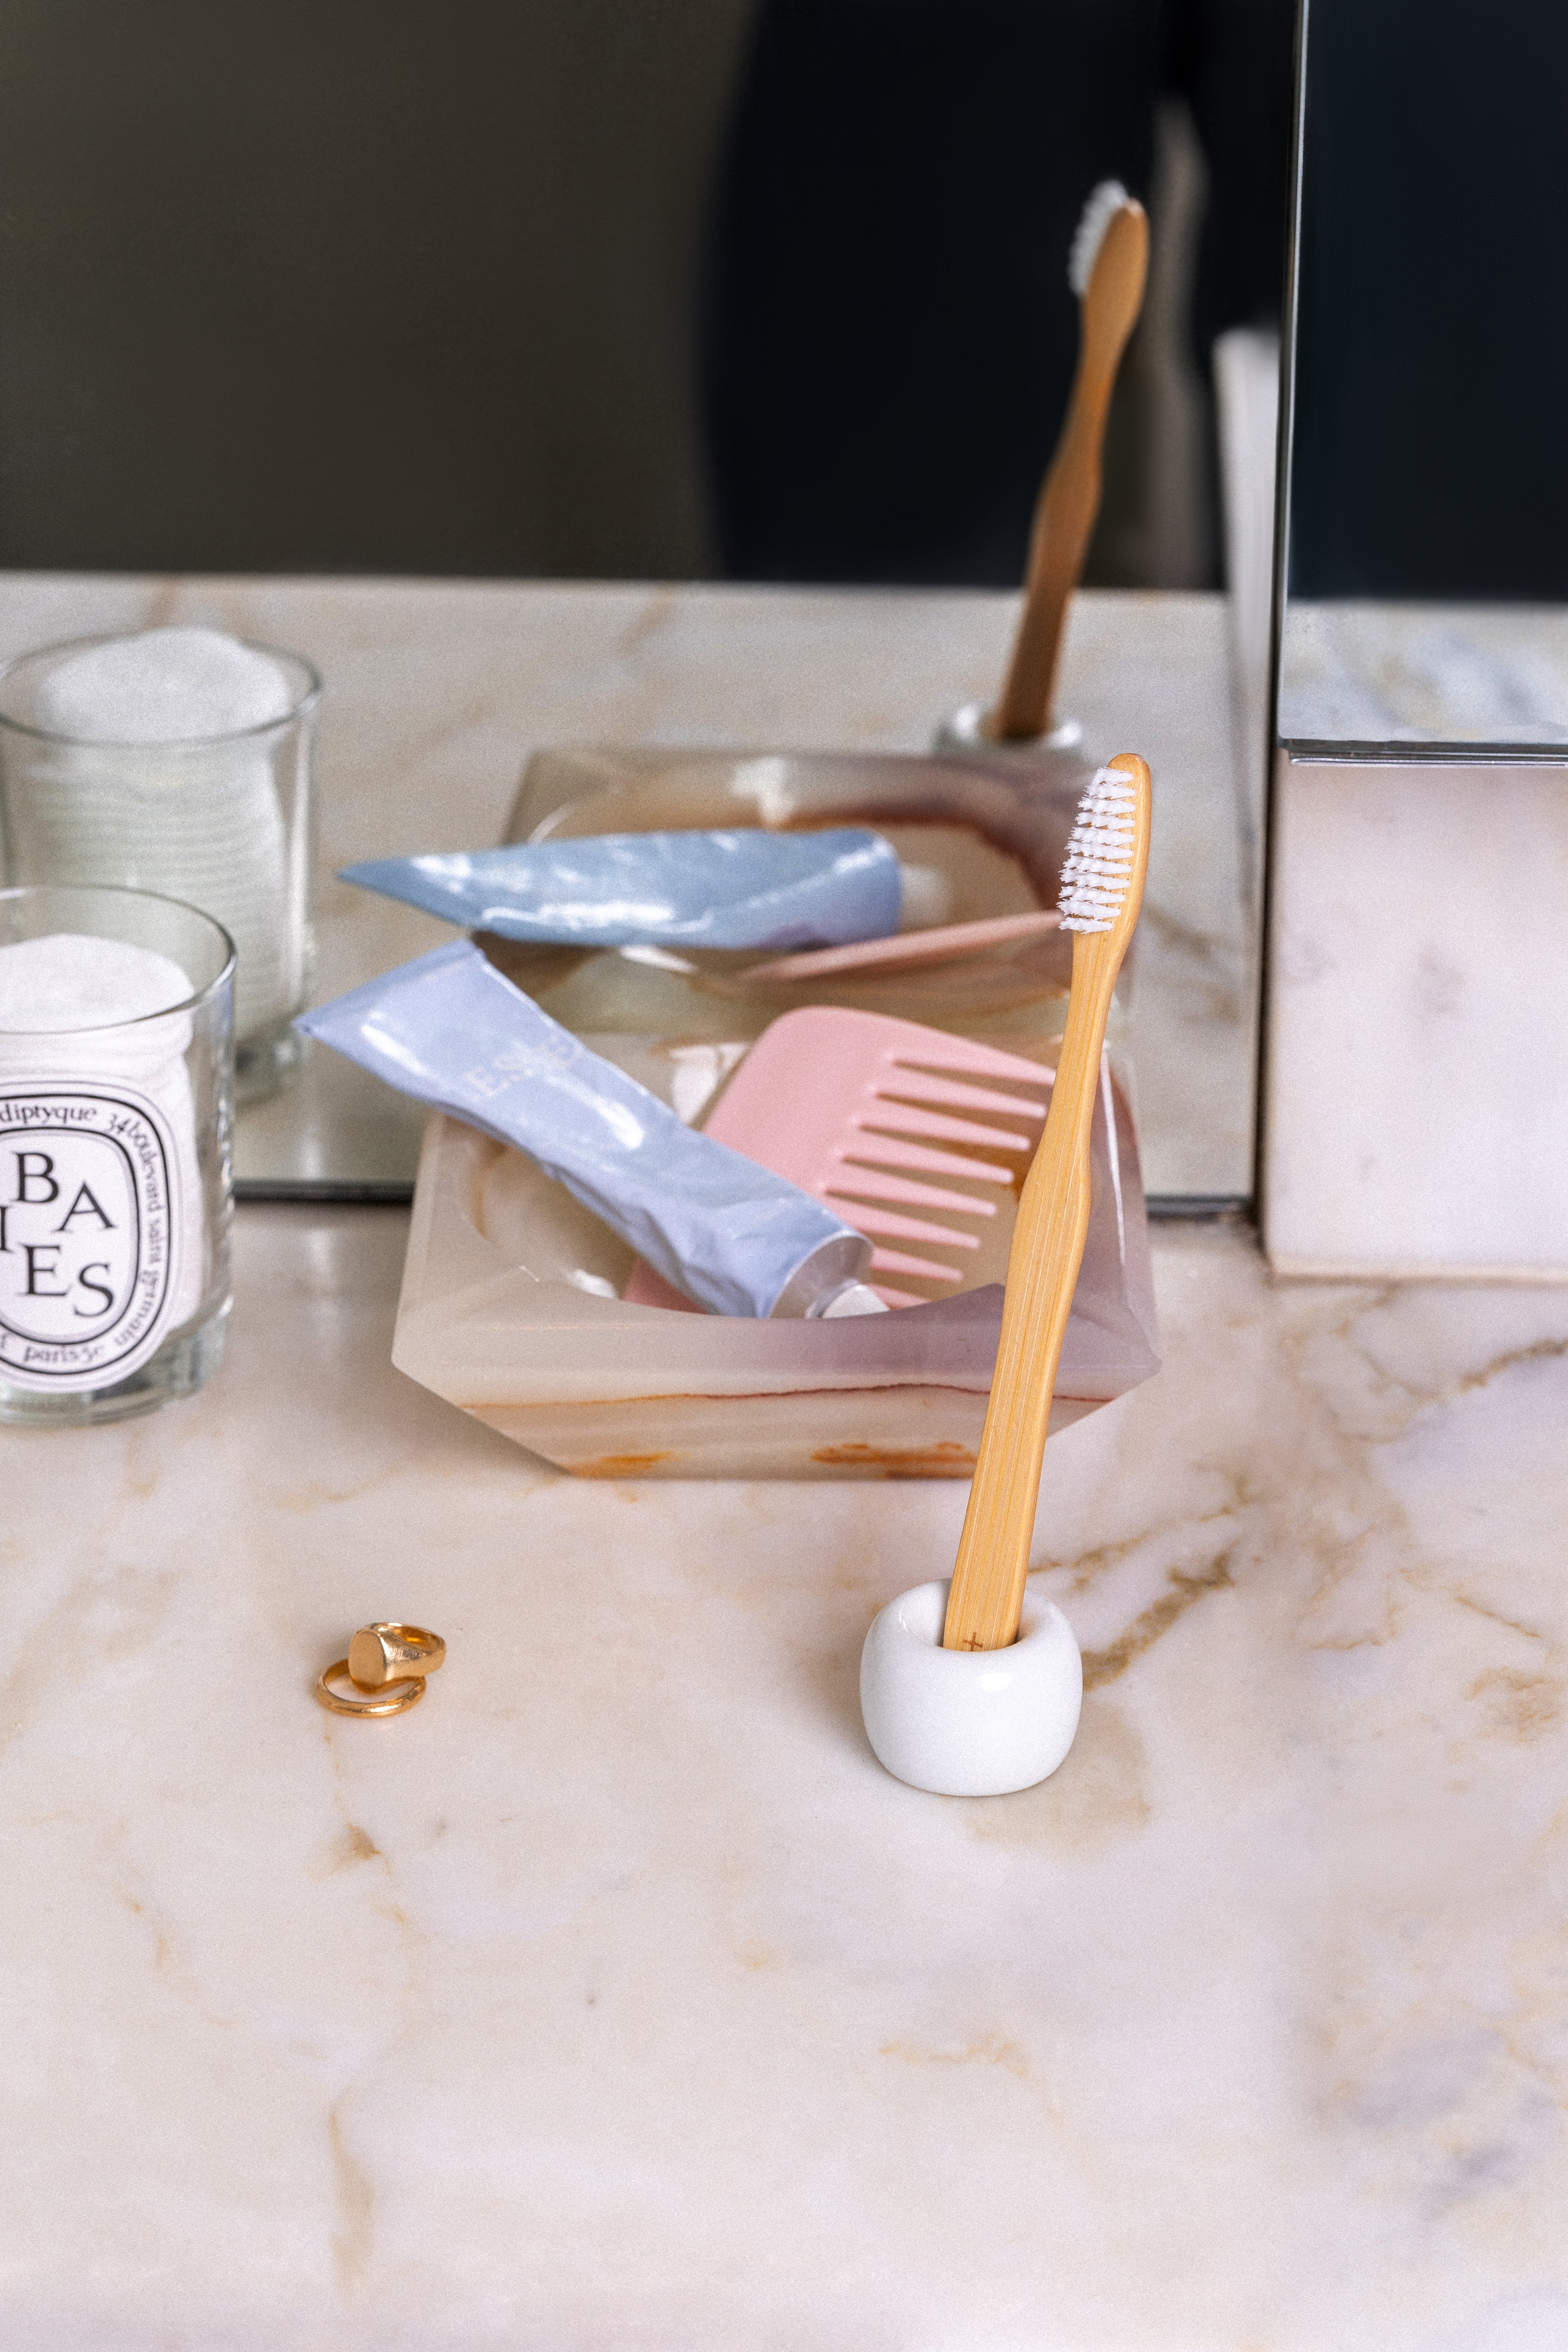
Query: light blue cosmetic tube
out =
(748, 889)
(453, 1031)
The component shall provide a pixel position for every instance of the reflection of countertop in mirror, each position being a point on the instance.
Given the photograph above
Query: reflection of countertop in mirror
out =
(616, 1997)
(1390, 673)
(437, 692)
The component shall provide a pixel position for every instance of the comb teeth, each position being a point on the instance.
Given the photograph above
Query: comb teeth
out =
(868, 1219)
(907, 1082)
(1098, 867)
(891, 1261)
(863, 1185)
(854, 1183)
(890, 1118)
(867, 1158)
(913, 1136)
(886, 1151)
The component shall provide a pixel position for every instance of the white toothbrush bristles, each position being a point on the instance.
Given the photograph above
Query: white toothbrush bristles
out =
(1099, 863)
(1104, 203)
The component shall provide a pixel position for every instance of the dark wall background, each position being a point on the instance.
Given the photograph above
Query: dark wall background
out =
(356, 284)
(893, 338)
(1429, 455)
(368, 285)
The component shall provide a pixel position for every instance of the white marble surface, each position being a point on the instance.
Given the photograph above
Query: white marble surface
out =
(1415, 1111)
(617, 1998)
(436, 693)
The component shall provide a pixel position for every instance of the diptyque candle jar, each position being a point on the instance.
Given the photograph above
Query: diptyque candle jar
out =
(115, 1090)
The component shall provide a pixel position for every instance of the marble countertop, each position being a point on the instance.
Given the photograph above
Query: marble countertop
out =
(615, 1997)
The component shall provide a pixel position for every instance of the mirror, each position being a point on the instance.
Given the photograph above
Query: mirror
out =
(438, 695)
(1424, 574)
(567, 290)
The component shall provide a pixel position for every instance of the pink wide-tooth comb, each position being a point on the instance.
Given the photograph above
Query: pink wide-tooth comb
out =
(865, 1111)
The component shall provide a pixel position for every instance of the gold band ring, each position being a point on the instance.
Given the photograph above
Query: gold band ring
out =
(380, 1655)
(396, 1699)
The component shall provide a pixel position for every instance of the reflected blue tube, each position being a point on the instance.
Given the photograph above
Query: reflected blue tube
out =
(748, 889)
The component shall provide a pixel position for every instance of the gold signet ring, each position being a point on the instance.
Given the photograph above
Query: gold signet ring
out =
(380, 1655)
(395, 1700)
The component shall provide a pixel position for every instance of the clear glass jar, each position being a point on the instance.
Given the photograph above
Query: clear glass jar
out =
(221, 822)
(115, 1196)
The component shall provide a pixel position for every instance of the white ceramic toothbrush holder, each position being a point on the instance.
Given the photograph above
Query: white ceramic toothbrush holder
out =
(964, 737)
(969, 1723)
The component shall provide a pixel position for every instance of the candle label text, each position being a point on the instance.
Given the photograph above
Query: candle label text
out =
(89, 1235)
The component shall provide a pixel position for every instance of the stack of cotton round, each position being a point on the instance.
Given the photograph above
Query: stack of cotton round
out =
(164, 685)
(159, 779)
(81, 1016)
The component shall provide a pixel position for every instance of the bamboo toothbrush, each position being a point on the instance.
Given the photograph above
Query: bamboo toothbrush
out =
(1101, 890)
(1106, 270)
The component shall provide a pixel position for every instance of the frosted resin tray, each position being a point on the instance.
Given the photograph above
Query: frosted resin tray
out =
(511, 1310)
(511, 1302)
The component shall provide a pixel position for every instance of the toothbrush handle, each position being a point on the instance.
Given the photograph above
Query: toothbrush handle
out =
(986, 1597)
(1064, 520)
(1069, 500)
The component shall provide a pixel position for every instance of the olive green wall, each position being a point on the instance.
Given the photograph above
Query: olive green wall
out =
(352, 285)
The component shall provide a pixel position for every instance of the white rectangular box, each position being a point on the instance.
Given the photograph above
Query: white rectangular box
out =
(1415, 1046)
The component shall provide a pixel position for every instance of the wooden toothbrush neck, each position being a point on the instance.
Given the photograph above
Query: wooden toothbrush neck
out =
(1115, 295)
(1096, 960)
(1099, 356)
